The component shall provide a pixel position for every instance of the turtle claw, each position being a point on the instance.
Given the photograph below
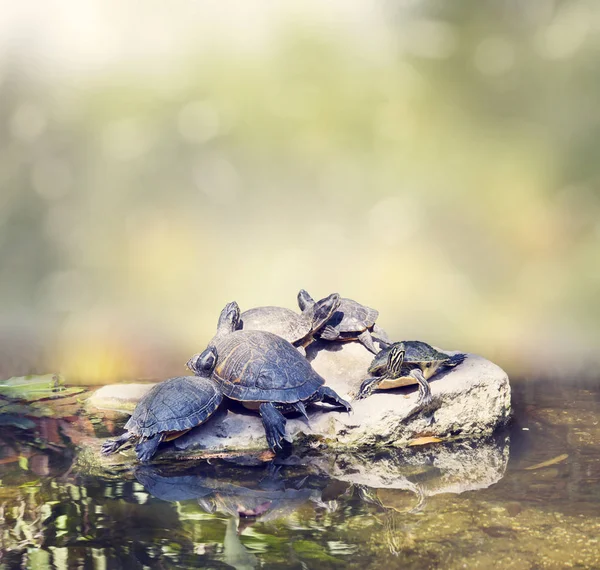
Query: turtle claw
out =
(274, 424)
(425, 400)
(110, 446)
(329, 333)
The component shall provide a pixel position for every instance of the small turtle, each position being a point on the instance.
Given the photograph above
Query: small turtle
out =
(171, 409)
(296, 329)
(351, 321)
(405, 363)
(264, 372)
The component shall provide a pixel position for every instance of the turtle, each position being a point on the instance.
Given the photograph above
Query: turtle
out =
(264, 372)
(298, 329)
(351, 321)
(171, 409)
(404, 363)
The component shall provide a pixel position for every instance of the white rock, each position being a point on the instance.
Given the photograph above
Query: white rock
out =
(469, 401)
(119, 397)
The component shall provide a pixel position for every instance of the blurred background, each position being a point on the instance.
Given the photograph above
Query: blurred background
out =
(437, 161)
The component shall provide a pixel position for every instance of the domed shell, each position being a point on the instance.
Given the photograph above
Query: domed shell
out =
(353, 317)
(277, 320)
(259, 366)
(176, 404)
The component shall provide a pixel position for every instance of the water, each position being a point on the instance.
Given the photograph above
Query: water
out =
(529, 498)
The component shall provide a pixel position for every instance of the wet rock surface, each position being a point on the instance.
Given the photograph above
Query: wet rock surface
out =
(470, 401)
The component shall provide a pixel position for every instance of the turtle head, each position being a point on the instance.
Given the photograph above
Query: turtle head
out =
(305, 300)
(229, 319)
(395, 359)
(323, 310)
(202, 364)
(388, 362)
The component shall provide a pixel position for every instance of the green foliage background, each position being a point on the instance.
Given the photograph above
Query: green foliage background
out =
(436, 161)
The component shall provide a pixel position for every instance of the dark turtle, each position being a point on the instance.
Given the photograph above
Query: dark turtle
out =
(298, 329)
(171, 409)
(404, 363)
(351, 321)
(264, 372)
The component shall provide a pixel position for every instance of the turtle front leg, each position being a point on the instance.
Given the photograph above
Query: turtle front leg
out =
(112, 445)
(424, 389)
(146, 449)
(329, 333)
(367, 387)
(274, 423)
(329, 396)
(366, 340)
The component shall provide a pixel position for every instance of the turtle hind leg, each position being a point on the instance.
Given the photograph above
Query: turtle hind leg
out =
(299, 407)
(274, 423)
(327, 395)
(112, 445)
(366, 340)
(146, 449)
(455, 360)
(380, 336)
(367, 387)
(329, 333)
(424, 389)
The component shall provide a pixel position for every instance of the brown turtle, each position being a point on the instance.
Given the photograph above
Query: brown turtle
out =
(298, 329)
(351, 321)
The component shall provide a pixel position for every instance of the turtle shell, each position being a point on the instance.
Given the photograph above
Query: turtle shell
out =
(176, 404)
(353, 317)
(259, 366)
(277, 320)
(418, 351)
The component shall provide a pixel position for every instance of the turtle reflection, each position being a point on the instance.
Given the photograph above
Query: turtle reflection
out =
(257, 494)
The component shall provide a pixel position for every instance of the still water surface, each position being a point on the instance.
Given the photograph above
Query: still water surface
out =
(529, 498)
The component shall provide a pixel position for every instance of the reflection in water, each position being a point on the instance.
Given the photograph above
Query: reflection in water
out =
(441, 505)
(234, 552)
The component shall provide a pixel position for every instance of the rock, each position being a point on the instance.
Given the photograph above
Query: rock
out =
(469, 401)
(119, 397)
(343, 364)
